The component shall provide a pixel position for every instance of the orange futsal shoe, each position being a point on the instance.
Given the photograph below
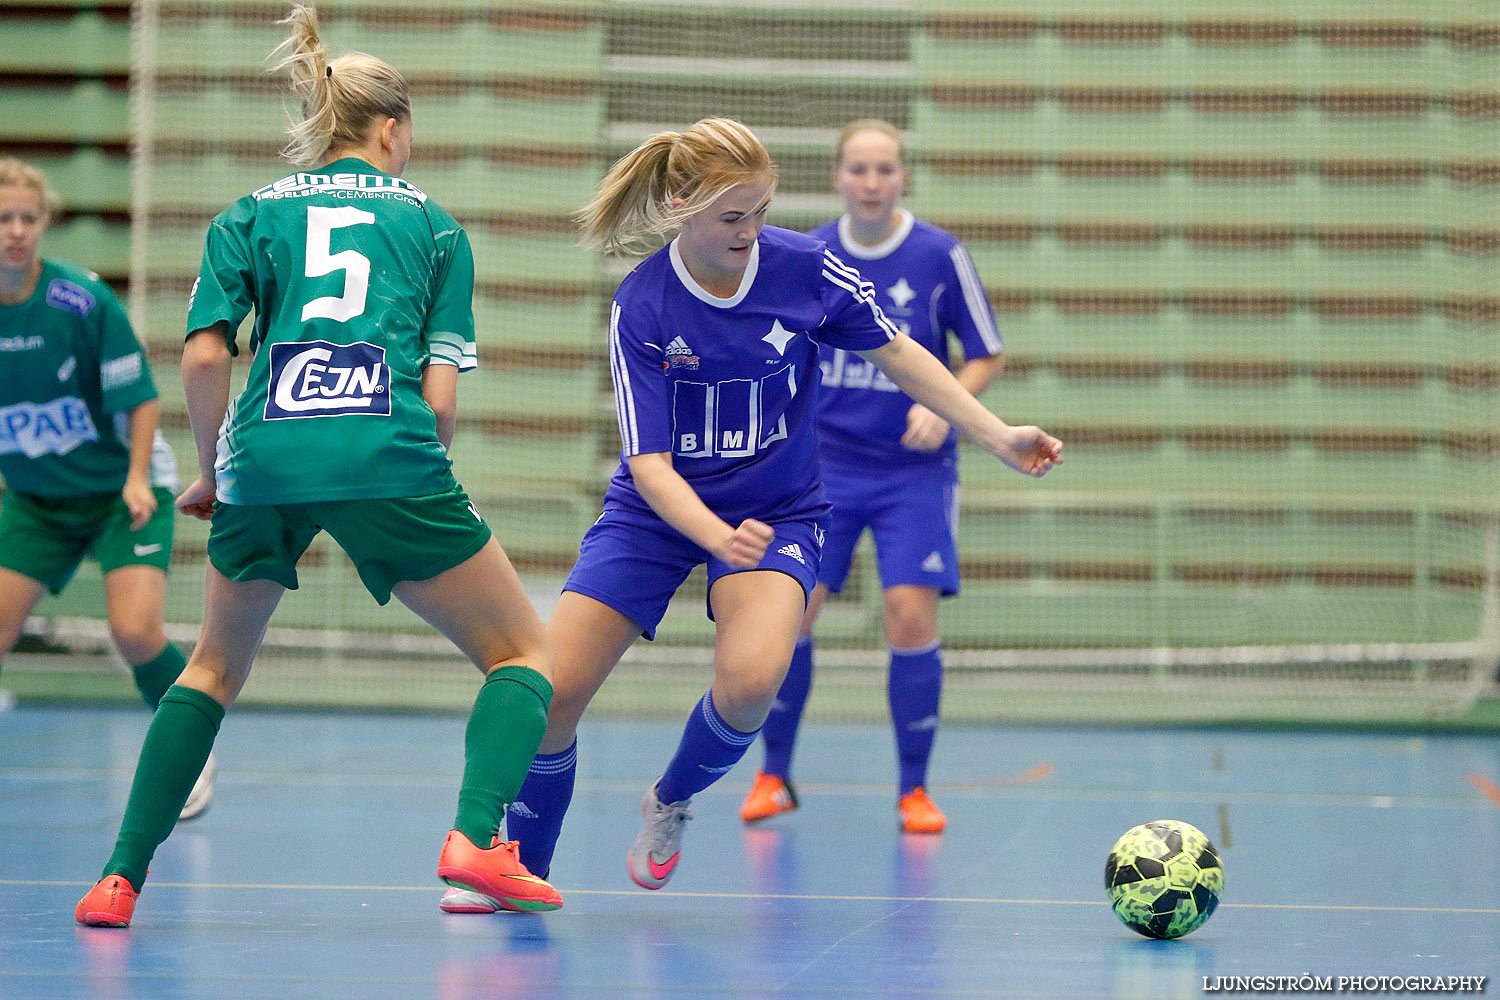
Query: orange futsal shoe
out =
(919, 814)
(495, 872)
(111, 903)
(769, 796)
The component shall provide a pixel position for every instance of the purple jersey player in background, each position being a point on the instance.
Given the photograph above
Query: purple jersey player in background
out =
(890, 464)
(714, 344)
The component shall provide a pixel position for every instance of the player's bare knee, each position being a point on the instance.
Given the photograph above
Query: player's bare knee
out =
(137, 642)
(909, 624)
(744, 703)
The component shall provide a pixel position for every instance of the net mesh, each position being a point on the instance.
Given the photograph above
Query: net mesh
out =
(1243, 256)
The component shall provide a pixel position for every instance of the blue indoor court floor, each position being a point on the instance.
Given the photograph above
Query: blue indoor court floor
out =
(1346, 854)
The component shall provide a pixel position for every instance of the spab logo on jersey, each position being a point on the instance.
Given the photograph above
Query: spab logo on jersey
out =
(37, 429)
(315, 378)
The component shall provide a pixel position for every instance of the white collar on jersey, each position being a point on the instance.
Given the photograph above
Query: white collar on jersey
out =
(691, 283)
(883, 249)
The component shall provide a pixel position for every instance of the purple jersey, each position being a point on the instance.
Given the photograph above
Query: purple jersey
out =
(726, 385)
(927, 285)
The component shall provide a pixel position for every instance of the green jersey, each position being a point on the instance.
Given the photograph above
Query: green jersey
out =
(70, 370)
(358, 281)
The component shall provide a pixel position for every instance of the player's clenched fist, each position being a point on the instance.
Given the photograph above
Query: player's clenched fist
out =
(1030, 450)
(747, 546)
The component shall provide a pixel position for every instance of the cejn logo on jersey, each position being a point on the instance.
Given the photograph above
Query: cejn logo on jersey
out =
(315, 378)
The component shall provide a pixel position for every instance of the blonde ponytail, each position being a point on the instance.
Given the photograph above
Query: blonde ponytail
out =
(340, 98)
(633, 212)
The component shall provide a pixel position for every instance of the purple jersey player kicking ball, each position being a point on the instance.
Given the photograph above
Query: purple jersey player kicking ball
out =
(714, 343)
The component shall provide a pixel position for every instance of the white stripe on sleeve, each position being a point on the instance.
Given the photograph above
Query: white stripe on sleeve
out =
(848, 278)
(624, 399)
(977, 301)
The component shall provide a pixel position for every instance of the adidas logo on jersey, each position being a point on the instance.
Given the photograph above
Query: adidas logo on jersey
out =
(794, 550)
(933, 563)
(680, 355)
(316, 378)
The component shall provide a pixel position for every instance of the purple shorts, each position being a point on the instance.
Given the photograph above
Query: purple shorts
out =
(634, 562)
(912, 512)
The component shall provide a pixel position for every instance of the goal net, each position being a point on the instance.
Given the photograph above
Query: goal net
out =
(1243, 258)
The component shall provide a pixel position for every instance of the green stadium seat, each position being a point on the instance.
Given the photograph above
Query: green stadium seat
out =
(84, 110)
(1047, 192)
(217, 110)
(417, 45)
(574, 323)
(477, 186)
(537, 392)
(1043, 613)
(485, 460)
(176, 250)
(91, 242)
(211, 182)
(539, 532)
(88, 178)
(79, 41)
(514, 118)
(1173, 57)
(544, 256)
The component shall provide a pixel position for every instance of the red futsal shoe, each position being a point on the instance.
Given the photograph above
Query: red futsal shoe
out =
(495, 872)
(111, 903)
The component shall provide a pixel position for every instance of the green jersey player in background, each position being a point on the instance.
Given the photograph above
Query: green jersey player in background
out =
(361, 288)
(86, 471)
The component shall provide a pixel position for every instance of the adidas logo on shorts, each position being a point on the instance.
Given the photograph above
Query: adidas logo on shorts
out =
(933, 563)
(794, 550)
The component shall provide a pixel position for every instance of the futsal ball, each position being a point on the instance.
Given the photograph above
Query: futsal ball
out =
(1163, 878)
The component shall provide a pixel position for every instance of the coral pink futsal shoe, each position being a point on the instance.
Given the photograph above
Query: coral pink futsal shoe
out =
(111, 903)
(495, 872)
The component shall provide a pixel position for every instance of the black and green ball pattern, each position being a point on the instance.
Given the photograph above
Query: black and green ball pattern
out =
(1163, 878)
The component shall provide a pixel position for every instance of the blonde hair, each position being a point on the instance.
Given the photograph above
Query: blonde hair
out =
(339, 98)
(868, 125)
(14, 173)
(632, 210)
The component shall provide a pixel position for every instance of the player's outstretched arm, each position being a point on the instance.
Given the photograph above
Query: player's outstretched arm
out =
(924, 378)
(675, 502)
(206, 363)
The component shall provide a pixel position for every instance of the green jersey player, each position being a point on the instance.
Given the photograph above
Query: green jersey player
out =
(361, 290)
(85, 468)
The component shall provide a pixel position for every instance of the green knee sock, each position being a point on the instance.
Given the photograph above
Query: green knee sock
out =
(177, 745)
(505, 729)
(154, 676)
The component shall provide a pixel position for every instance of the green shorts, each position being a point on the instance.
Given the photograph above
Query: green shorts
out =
(406, 538)
(46, 538)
